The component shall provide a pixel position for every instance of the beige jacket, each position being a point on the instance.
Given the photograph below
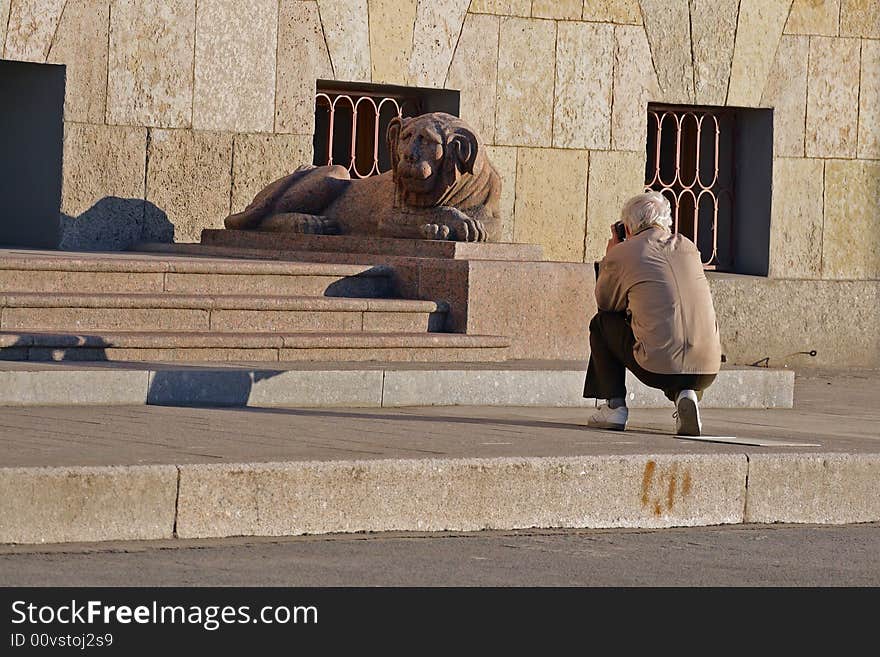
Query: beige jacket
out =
(659, 278)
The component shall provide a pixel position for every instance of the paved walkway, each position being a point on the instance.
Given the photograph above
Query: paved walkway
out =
(214, 472)
(833, 412)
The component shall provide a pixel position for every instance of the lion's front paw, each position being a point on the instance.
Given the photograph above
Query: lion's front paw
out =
(470, 230)
(435, 231)
(452, 224)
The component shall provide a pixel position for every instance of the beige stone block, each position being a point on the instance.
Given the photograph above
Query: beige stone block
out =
(713, 26)
(54, 505)
(526, 63)
(635, 83)
(391, 37)
(615, 176)
(150, 77)
(503, 158)
(565, 9)
(762, 317)
(796, 221)
(832, 94)
(667, 23)
(758, 31)
(261, 159)
(613, 11)
(347, 32)
(474, 73)
(813, 488)
(4, 21)
(869, 102)
(860, 18)
(551, 187)
(460, 494)
(30, 28)
(188, 177)
(850, 240)
(813, 17)
(786, 93)
(101, 161)
(584, 74)
(502, 7)
(81, 44)
(234, 86)
(302, 59)
(438, 26)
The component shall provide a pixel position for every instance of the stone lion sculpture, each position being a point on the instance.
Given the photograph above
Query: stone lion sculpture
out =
(441, 186)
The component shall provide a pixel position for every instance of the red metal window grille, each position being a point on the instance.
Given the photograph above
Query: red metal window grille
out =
(690, 161)
(350, 128)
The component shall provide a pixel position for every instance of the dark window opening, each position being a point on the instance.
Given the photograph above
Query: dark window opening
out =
(714, 164)
(351, 121)
(31, 134)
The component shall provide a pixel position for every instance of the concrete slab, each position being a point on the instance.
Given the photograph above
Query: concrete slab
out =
(484, 388)
(51, 505)
(239, 387)
(459, 494)
(756, 387)
(72, 386)
(815, 488)
(90, 473)
(367, 384)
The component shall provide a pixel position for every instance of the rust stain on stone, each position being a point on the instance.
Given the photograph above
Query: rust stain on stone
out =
(686, 484)
(670, 492)
(657, 509)
(647, 477)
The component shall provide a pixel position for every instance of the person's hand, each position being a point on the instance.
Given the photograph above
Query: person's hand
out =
(614, 241)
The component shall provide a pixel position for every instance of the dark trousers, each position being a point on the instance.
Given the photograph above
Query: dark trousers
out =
(611, 354)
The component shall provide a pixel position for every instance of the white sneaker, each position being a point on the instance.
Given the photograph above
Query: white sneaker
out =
(687, 414)
(609, 418)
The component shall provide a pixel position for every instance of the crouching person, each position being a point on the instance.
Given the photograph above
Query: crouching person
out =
(655, 318)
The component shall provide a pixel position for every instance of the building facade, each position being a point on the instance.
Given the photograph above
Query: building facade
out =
(188, 107)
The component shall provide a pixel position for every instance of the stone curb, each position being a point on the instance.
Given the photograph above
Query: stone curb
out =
(45, 505)
(369, 387)
(459, 494)
(61, 505)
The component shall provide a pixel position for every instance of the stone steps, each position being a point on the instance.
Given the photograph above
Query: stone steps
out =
(70, 273)
(213, 346)
(239, 313)
(64, 306)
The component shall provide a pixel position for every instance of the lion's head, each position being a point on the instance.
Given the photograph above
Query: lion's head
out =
(437, 160)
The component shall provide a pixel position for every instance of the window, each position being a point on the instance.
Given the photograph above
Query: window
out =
(31, 149)
(351, 121)
(714, 164)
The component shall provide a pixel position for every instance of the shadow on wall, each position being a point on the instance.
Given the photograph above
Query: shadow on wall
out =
(209, 387)
(55, 347)
(115, 224)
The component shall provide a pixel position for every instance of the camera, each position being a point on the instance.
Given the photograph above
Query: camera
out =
(620, 231)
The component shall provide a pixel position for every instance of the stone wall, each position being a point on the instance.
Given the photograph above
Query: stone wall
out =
(184, 108)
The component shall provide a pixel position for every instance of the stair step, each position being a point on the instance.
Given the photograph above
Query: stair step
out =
(144, 312)
(66, 272)
(265, 347)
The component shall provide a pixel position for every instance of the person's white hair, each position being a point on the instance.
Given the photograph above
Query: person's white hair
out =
(646, 210)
